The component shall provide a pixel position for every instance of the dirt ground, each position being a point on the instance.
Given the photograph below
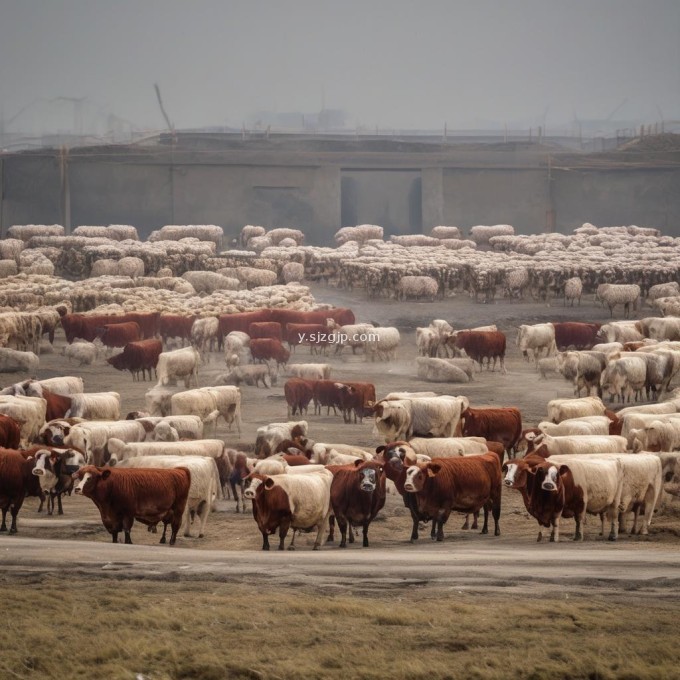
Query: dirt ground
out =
(520, 386)
(452, 610)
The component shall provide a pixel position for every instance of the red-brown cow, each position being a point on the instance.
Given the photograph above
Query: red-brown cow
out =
(480, 345)
(57, 404)
(16, 482)
(357, 496)
(358, 399)
(266, 349)
(119, 334)
(298, 393)
(527, 476)
(575, 334)
(176, 326)
(138, 356)
(10, 433)
(313, 334)
(144, 494)
(464, 484)
(265, 329)
(240, 322)
(149, 323)
(494, 424)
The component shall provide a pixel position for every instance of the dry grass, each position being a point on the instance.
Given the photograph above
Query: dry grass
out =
(111, 628)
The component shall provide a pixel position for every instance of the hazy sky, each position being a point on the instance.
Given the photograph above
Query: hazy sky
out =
(392, 63)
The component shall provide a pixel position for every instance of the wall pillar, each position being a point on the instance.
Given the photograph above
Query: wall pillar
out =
(432, 197)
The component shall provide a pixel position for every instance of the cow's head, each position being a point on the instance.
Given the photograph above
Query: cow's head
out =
(416, 475)
(251, 484)
(88, 478)
(369, 475)
(548, 476)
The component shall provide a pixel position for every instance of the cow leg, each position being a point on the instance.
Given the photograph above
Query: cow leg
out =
(331, 529)
(433, 530)
(414, 530)
(283, 532)
(578, 534)
(165, 529)
(42, 502)
(233, 490)
(613, 528)
(496, 514)
(114, 537)
(466, 526)
(243, 498)
(440, 526)
(60, 509)
(265, 540)
(352, 531)
(555, 533)
(342, 524)
(14, 512)
(485, 526)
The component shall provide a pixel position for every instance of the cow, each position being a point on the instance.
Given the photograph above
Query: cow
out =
(300, 502)
(147, 495)
(119, 334)
(466, 484)
(494, 424)
(298, 393)
(537, 338)
(240, 322)
(357, 496)
(10, 433)
(176, 326)
(268, 349)
(268, 437)
(575, 334)
(53, 432)
(16, 482)
(56, 405)
(136, 357)
(54, 468)
(265, 329)
(402, 415)
(314, 335)
(480, 345)
(180, 363)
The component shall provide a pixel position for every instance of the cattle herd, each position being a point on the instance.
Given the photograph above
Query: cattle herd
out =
(601, 452)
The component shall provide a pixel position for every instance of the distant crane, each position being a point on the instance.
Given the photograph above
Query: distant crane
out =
(170, 125)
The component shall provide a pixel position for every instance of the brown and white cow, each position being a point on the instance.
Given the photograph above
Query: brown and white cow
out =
(357, 496)
(286, 501)
(465, 484)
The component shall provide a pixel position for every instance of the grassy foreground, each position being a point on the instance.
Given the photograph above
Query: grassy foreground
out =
(109, 628)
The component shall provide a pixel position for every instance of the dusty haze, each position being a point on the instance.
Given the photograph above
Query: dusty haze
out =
(390, 63)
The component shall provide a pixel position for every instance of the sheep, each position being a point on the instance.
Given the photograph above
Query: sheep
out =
(410, 287)
(180, 363)
(277, 235)
(620, 331)
(248, 232)
(14, 361)
(251, 375)
(594, 425)
(432, 369)
(657, 436)
(8, 268)
(360, 233)
(564, 409)
(624, 378)
(209, 282)
(547, 365)
(579, 444)
(613, 294)
(95, 406)
(204, 334)
(516, 280)
(481, 234)
(382, 344)
(85, 353)
(253, 278)
(668, 306)
(310, 371)
(292, 272)
(131, 266)
(573, 288)
(427, 342)
(662, 290)
(445, 232)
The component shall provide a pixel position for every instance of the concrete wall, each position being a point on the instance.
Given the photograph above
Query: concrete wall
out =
(389, 198)
(319, 193)
(649, 198)
(482, 196)
(120, 193)
(31, 187)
